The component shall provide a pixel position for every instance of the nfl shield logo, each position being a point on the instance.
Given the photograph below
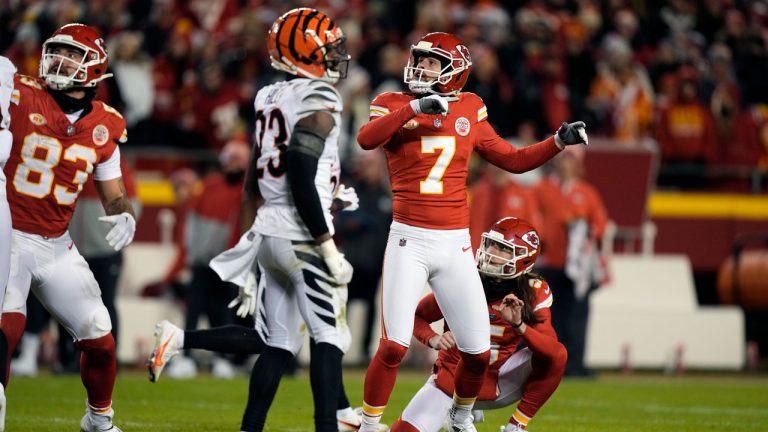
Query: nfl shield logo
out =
(403, 242)
(438, 123)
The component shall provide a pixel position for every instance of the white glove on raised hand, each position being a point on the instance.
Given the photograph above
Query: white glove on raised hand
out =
(432, 104)
(340, 268)
(348, 196)
(123, 229)
(246, 298)
(571, 134)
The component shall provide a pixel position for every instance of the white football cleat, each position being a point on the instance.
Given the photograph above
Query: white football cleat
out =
(168, 343)
(509, 427)
(94, 422)
(467, 425)
(350, 421)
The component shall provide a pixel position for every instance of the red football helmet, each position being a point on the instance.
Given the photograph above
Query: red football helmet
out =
(307, 43)
(508, 249)
(454, 60)
(62, 72)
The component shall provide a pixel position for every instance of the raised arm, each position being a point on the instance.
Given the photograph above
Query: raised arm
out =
(504, 155)
(383, 124)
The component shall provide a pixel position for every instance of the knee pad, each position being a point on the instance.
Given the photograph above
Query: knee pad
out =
(476, 363)
(391, 353)
(98, 326)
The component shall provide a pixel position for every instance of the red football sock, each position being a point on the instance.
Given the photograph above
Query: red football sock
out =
(12, 324)
(470, 373)
(380, 377)
(542, 383)
(98, 369)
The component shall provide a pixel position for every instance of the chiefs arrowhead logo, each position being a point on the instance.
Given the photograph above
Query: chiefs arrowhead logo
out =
(531, 238)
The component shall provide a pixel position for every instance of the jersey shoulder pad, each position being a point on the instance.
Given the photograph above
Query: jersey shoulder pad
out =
(317, 95)
(386, 102)
(542, 292)
(474, 103)
(113, 121)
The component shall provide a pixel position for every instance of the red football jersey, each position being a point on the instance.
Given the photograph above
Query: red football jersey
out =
(428, 156)
(504, 339)
(52, 158)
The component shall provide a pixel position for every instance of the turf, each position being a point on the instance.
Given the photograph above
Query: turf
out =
(612, 403)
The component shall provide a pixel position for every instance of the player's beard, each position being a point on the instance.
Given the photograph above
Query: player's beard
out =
(69, 105)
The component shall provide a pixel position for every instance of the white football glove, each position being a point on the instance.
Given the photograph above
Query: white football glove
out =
(246, 298)
(340, 268)
(347, 196)
(432, 104)
(571, 134)
(123, 229)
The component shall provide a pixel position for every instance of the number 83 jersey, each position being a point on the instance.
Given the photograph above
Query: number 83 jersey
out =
(51, 157)
(278, 108)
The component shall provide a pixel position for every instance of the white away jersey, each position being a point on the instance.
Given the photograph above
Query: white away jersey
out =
(278, 108)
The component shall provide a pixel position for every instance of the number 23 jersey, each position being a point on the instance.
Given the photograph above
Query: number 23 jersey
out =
(51, 158)
(278, 108)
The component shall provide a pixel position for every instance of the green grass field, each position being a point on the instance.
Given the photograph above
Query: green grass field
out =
(612, 403)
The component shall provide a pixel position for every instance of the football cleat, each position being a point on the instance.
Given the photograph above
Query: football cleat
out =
(466, 426)
(94, 422)
(167, 344)
(349, 422)
(509, 427)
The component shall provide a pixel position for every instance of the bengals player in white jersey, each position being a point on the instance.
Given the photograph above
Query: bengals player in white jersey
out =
(61, 136)
(290, 186)
(428, 135)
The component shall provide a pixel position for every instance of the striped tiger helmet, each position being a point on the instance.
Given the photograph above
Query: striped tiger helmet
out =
(305, 42)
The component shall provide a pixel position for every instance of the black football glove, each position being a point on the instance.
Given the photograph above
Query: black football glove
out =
(432, 104)
(571, 134)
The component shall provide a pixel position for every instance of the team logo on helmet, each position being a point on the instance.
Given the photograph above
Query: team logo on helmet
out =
(531, 238)
(100, 135)
(462, 126)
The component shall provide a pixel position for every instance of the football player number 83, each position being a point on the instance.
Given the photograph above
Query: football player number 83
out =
(34, 176)
(429, 144)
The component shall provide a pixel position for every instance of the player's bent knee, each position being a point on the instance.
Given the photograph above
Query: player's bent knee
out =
(390, 352)
(476, 363)
(98, 326)
(561, 356)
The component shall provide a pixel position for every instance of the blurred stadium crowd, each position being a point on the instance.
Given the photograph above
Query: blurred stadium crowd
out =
(689, 74)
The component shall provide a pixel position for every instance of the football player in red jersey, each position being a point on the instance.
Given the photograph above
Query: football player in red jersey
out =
(518, 306)
(60, 136)
(428, 135)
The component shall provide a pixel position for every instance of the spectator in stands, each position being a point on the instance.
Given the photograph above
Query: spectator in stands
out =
(133, 77)
(686, 129)
(212, 227)
(573, 221)
(621, 97)
(363, 235)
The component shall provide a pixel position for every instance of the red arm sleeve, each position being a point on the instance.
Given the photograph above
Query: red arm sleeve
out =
(504, 155)
(427, 312)
(379, 130)
(541, 338)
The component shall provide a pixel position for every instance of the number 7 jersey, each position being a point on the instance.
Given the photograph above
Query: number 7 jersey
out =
(428, 156)
(278, 108)
(51, 158)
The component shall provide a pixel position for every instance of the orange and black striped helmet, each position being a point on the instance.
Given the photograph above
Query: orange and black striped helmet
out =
(307, 43)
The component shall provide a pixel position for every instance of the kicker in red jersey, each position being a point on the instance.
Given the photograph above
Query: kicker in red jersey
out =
(52, 158)
(428, 157)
